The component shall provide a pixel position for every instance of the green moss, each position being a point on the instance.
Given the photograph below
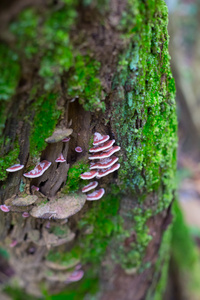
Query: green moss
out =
(25, 30)
(58, 231)
(65, 259)
(44, 122)
(85, 84)
(7, 161)
(47, 37)
(130, 255)
(87, 286)
(58, 54)
(74, 182)
(145, 96)
(16, 293)
(101, 223)
(10, 71)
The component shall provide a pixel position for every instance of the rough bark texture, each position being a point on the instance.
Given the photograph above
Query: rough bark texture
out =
(90, 66)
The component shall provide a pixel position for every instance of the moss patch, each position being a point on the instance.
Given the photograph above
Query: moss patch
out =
(44, 122)
(74, 182)
(144, 89)
(10, 71)
(7, 161)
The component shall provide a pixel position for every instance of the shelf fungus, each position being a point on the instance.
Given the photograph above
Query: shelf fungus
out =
(78, 149)
(25, 201)
(89, 175)
(99, 139)
(104, 172)
(75, 276)
(15, 168)
(61, 208)
(89, 187)
(65, 140)
(96, 195)
(59, 135)
(103, 150)
(102, 147)
(4, 208)
(105, 154)
(60, 158)
(38, 170)
(104, 163)
(25, 214)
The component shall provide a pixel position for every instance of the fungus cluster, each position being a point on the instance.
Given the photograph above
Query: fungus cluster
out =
(103, 150)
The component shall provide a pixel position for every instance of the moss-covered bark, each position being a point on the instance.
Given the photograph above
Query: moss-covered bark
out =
(94, 66)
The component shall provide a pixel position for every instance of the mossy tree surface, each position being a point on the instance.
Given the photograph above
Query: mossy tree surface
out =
(95, 66)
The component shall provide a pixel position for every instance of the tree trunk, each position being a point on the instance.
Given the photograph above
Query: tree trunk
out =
(92, 66)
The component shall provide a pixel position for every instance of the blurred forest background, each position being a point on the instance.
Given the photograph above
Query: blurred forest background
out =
(184, 29)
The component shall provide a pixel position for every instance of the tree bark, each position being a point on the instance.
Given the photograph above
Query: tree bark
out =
(93, 67)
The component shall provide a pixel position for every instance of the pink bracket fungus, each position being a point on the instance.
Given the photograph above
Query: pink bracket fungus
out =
(102, 147)
(38, 170)
(99, 139)
(4, 208)
(105, 154)
(34, 188)
(104, 172)
(96, 195)
(104, 163)
(13, 243)
(15, 168)
(60, 158)
(75, 276)
(89, 175)
(78, 149)
(25, 214)
(65, 140)
(89, 187)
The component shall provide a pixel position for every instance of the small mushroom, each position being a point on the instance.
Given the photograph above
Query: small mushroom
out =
(38, 170)
(89, 175)
(102, 147)
(104, 172)
(96, 195)
(13, 243)
(60, 158)
(105, 154)
(15, 168)
(59, 135)
(35, 188)
(104, 163)
(67, 139)
(78, 149)
(75, 276)
(99, 139)
(4, 208)
(89, 187)
(25, 214)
